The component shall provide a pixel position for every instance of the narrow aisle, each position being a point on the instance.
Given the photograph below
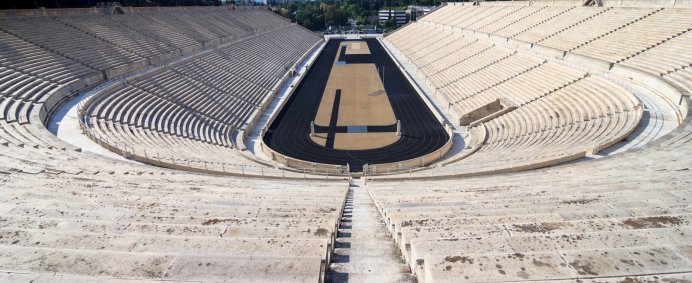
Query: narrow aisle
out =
(364, 250)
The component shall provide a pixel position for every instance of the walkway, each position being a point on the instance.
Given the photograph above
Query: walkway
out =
(364, 250)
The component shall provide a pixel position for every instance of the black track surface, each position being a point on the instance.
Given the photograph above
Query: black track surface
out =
(289, 134)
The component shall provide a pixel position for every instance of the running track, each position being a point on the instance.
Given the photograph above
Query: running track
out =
(289, 133)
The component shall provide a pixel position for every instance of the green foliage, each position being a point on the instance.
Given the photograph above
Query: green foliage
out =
(390, 23)
(321, 14)
(32, 4)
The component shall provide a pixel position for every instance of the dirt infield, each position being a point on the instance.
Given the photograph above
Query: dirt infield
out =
(357, 141)
(361, 141)
(319, 138)
(357, 47)
(342, 136)
(363, 98)
(362, 101)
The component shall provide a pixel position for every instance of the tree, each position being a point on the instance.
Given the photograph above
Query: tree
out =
(31, 4)
(389, 23)
(322, 13)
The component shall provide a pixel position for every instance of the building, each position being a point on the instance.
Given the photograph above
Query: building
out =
(414, 12)
(399, 16)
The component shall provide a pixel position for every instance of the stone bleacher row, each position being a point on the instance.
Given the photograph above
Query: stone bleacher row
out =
(193, 110)
(77, 216)
(93, 218)
(561, 114)
(39, 72)
(639, 37)
(563, 121)
(62, 218)
(542, 226)
(625, 218)
(45, 59)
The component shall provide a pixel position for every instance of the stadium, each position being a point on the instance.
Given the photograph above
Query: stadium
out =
(543, 140)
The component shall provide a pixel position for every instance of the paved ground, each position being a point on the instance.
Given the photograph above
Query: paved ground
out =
(289, 134)
(65, 125)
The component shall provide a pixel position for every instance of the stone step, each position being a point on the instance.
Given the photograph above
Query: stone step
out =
(362, 221)
(366, 218)
(547, 242)
(165, 244)
(366, 241)
(363, 215)
(375, 245)
(231, 226)
(152, 266)
(498, 210)
(369, 212)
(178, 218)
(350, 225)
(365, 208)
(337, 277)
(367, 252)
(562, 227)
(374, 265)
(364, 250)
(380, 233)
(363, 204)
(674, 277)
(24, 276)
(556, 265)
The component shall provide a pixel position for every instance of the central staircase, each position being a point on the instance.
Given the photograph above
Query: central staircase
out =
(364, 250)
